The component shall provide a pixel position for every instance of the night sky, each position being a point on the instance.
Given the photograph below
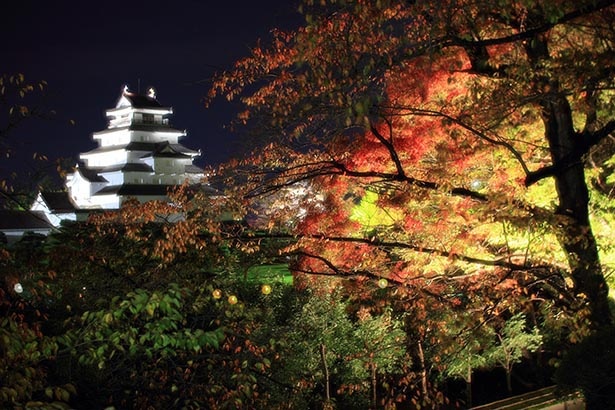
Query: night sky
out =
(86, 51)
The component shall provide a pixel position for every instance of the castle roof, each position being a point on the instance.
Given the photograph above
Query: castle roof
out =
(58, 202)
(135, 190)
(90, 175)
(135, 100)
(142, 101)
(156, 148)
(141, 127)
(130, 167)
(23, 220)
(193, 169)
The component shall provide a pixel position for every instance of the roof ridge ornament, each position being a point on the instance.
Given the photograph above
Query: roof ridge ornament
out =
(151, 93)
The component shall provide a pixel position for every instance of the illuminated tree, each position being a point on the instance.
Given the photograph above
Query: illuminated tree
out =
(332, 357)
(513, 342)
(465, 352)
(477, 128)
(151, 307)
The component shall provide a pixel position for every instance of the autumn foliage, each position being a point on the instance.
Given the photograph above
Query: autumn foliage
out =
(438, 178)
(451, 148)
(467, 123)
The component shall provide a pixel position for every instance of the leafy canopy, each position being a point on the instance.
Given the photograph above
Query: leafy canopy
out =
(474, 123)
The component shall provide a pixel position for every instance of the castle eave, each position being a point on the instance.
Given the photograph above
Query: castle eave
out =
(141, 127)
(130, 167)
(135, 190)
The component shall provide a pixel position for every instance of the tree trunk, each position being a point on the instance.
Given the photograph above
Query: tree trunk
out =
(469, 387)
(374, 385)
(325, 370)
(575, 234)
(424, 389)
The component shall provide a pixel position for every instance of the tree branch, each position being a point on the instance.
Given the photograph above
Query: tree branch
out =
(503, 262)
(401, 175)
(587, 141)
(529, 33)
(457, 121)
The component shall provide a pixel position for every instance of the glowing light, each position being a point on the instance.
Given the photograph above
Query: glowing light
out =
(383, 283)
(217, 294)
(266, 289)
(477, 184)
(232, 299)
(18, 288)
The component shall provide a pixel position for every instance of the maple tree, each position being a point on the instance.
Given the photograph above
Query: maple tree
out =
(432, 163)
(461, 150)
(472, 124)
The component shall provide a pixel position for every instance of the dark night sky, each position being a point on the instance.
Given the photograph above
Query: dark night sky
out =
(87, 50)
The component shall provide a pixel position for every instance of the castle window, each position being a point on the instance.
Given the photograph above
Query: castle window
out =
(148, 118)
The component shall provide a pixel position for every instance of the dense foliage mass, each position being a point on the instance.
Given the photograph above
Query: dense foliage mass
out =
(478, 125)
(460, 150)
(438, 178)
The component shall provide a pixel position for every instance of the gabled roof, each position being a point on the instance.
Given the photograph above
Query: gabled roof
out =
(142, 101)
(23, 220)
(138, 100)
(171, 151)
(180, 149)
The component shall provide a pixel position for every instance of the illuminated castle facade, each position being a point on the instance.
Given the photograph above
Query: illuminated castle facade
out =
(139, 156)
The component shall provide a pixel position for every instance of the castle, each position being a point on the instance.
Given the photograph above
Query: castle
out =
(138, 156)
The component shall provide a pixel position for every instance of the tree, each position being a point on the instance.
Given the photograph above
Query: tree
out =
(343, 359)
(143, 349)
(465, 352)
(513, 342)
(151, 306)
(322, 331)
(473, 122)
(27, 350)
